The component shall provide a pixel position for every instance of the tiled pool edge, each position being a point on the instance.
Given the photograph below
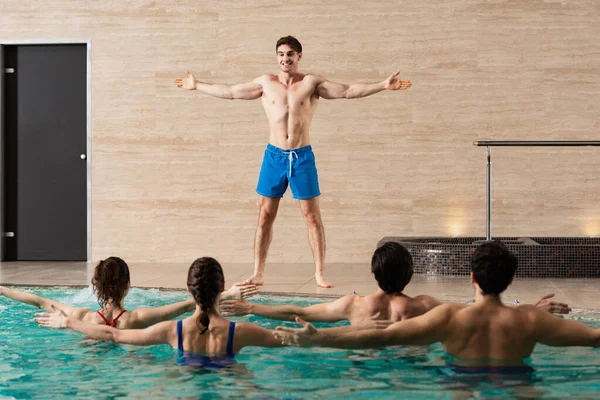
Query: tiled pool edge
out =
(539, 257)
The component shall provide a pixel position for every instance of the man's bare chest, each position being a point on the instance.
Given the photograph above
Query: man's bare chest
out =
(295, 95)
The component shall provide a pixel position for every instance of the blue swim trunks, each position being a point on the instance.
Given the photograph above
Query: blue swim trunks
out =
(296, 167)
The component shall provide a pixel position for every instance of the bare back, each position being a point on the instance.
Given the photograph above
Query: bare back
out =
(92, 317)
(289, 109)
(392, 307)
(124, 321)
(490, 332)
(215, 340)
(212, 342)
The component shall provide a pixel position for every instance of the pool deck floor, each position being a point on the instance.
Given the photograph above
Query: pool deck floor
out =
(293, 279)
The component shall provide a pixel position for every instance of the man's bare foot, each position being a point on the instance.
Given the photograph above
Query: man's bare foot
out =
(322, 281)
(254, 280)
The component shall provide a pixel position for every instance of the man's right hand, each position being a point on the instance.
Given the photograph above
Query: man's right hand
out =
(188, 83)
(235, 307)
(302, 337)
(551, 306)
(56, 319)
(241, 291)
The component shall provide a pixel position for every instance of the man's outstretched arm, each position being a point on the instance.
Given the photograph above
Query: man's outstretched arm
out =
(243, 91)
(555, 331)
(429, 328)
(331, 90)
(337, 310)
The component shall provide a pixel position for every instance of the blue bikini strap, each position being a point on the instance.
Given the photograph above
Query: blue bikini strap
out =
(180, 335)
(230, 339)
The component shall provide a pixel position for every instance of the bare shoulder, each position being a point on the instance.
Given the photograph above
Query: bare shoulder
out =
(441, 314)
(530, 310)
(247, 328)
(352, 300)
(82, 314)
(166, 331)
(345, 307)
(450, 308)
(264, 79)
(133, 320)
(242, 326)
(164, 326)
(314, 78)
(428, 302)
(168, 327)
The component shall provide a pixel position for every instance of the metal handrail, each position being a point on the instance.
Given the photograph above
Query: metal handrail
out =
(517, 143)
(536, 143)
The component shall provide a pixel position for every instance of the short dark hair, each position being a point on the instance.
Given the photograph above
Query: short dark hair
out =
(493, 266)
(392, 266)
(290, 41)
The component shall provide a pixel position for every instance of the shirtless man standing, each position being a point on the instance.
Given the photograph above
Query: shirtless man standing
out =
(290, 99)
(487, 334)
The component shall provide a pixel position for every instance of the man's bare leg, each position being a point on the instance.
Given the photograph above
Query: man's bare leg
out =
(316, 238)
(264, 233)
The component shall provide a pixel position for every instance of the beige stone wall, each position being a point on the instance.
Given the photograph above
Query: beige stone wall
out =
(174, 172)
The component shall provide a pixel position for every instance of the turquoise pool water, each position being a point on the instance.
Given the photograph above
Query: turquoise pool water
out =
(43, 363)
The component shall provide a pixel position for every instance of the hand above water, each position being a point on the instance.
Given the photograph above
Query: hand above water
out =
(300, 337)
(235, 308)
(57, 319)
(239, 291)
(553, 307)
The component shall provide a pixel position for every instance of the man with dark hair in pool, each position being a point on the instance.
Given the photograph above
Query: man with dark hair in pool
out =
(487, 334)
(290, 99)
(392, 266)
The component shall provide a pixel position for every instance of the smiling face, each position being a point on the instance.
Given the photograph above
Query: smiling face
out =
(288, 58)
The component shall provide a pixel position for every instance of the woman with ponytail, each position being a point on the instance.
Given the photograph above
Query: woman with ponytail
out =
(206, 332)
(111, 284)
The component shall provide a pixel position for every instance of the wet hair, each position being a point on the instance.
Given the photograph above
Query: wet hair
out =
(392, 266)
(290, 41)
(110, 281)
(205, 282)
(493, 266)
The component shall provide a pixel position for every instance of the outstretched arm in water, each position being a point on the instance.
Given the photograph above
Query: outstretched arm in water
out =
(555, 331)
(40, 302)
(426, 329)
(161, 333)
(337, 310)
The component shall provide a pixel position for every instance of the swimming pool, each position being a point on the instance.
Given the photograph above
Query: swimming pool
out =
(43, 363)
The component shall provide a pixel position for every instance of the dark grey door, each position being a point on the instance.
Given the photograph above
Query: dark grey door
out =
(45, 170)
